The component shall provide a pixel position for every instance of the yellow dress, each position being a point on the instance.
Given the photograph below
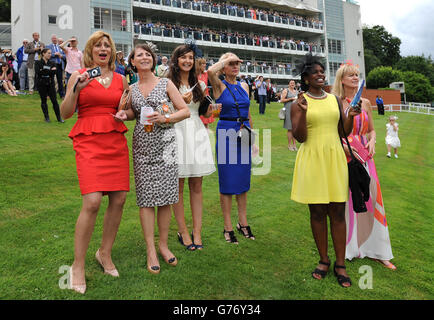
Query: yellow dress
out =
(321, 171)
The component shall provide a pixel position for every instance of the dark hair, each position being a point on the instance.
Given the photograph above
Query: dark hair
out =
(43, 52)
(175, 75)
(8, 71)
(145, 47)
(306, 67)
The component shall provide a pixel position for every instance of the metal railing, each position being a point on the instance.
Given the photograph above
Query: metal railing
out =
(268, 71)
(230, 11)
(412, 107)
(212, 37)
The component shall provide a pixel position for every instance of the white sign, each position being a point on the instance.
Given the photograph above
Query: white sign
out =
(65, 20)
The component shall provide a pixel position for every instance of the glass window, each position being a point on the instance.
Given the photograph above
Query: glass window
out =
(52, 19)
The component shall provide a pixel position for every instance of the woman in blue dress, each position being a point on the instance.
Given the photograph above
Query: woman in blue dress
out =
(233, 154)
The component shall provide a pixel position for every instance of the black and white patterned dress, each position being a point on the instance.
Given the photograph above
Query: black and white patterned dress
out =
(154, 153)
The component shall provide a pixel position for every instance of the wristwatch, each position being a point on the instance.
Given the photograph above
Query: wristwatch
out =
(167, 116)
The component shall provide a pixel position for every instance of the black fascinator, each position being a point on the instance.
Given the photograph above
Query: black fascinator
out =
(192, 45)
(305, 67)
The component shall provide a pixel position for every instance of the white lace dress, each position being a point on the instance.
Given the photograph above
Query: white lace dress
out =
(195, 157)
(392, 136)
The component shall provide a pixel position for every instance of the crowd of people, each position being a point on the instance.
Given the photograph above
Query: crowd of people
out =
(172, 100)
(214, 35)
(242, 11)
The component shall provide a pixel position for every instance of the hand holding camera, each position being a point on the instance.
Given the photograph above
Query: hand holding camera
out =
(93, 73)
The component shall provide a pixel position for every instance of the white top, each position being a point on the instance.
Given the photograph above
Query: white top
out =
(390, 131)
(195, 157)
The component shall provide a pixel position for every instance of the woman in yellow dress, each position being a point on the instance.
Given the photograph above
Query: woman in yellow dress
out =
(321, 173)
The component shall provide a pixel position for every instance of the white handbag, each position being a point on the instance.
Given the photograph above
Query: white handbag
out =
(282, 113)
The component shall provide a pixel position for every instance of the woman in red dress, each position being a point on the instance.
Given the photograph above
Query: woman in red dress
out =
(101, 152)
(203, 76)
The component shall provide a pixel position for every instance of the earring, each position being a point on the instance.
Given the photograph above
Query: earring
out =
(306, 82)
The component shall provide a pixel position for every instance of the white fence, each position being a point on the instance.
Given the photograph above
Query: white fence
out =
(413, 107)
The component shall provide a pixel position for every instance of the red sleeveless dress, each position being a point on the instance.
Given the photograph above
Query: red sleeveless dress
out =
(101, 150)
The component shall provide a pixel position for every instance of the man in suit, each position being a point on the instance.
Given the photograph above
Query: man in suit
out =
(57, 56)
(33, 49)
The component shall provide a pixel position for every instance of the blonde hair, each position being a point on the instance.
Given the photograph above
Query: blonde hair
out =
(222, 57)
(225, 55)
(199, 61)
(94, 39)
(338, 87)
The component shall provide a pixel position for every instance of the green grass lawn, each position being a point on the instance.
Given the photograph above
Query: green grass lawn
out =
(40, 201)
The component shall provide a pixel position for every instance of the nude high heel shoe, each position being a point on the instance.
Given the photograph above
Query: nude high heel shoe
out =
(114, 272)
(80, 288)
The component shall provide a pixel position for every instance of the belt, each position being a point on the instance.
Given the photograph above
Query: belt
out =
(235, 119)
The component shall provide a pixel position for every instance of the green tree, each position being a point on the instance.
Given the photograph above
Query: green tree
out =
(419, 64)
(371, 61)
(5, 10)
(417, 87)
(382, 44)
(381, 77)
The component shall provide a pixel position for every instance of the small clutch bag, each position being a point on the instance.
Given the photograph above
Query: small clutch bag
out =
(125, 100)
(165, 107)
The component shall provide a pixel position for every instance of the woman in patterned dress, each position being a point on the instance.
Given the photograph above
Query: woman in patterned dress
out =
(154, 153)
(367, 232)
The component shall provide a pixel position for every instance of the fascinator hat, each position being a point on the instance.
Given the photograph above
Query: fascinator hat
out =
(192, 45)
(305, 66)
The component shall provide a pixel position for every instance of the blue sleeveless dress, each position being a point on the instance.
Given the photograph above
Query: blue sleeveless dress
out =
(234, 161)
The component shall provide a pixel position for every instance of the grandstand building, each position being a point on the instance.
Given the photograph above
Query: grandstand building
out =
(269, 35)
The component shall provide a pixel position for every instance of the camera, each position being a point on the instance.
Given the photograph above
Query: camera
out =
(95, 72)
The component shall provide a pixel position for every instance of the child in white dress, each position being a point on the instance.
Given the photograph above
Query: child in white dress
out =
(392, 139)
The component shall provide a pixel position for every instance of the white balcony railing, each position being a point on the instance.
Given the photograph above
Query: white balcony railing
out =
(177, 35)
(228, 13)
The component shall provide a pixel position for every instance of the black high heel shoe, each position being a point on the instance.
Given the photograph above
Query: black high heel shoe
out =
(232, 238)
(247, 228)
(190, 247)
(197, 246)
(341, 279)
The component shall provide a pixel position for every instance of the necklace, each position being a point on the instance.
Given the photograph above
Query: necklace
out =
(322, 95)
(103, 81)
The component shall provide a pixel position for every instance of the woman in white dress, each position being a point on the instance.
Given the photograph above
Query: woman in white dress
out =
(195, 156)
